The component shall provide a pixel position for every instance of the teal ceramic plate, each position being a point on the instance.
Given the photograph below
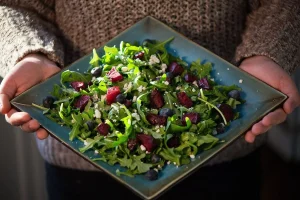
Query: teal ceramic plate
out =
(260, 98)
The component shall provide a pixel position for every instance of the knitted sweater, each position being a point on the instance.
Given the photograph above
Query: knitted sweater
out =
(65, 30)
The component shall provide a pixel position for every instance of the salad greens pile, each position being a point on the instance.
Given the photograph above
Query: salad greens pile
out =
(142, 108)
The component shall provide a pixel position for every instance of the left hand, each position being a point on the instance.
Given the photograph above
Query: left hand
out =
(271, 73)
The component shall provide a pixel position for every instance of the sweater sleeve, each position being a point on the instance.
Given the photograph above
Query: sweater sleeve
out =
(24, 30)
(273, 30)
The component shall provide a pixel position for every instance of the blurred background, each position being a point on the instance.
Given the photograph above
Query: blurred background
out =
(22, 175)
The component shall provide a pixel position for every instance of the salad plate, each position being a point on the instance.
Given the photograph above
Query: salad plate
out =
(259, 98)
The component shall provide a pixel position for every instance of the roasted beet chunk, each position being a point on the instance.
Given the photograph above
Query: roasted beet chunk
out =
(156, 99)
(173, 142)
(81, 102)
(147, 141)
(114, 75)
(127, 103)
(139, 55)
(78, 85)
(175, 69)
(194, 117)
(203, 83)
(184, 99)
(152, 175)
(103, 129)
(190, 78)
(156, 119)
(132, 144)
(48, 102)
(112, 93)
(227, 111)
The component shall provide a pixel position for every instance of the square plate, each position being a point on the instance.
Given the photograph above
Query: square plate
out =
(260, 99)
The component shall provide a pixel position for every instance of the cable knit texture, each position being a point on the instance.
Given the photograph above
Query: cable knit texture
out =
(65, 30)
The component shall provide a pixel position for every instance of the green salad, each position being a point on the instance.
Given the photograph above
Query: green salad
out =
(142, 108)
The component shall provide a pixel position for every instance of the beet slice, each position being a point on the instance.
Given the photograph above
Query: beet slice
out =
(78, 85)
(184, 99)
(114, 75)
(156, 119)
(81, 102)
(147, 141)
(175, 69)
(194, 117)
(103, 129)
(156, 99)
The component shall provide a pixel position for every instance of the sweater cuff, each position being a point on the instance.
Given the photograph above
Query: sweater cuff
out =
(273, 31)
(22, 33)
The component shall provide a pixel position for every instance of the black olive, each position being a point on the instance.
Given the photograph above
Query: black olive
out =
(91, 125)
(120, 98)
(97, 71)
(235, 94)
(220, 128)
(166, 112)
(152, 175)
(155, 158)
(48, 101)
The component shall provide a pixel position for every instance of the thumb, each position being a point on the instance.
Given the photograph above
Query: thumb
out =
(8, 89)
(293, 101)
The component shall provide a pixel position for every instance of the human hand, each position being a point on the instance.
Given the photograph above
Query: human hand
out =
(31, 70)
(271, 73)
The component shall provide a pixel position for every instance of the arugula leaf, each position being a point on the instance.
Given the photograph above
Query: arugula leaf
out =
(70, 76)
(74, 132)
(201, 70)
(139, 100)
(90, 143)
(169, 154)
(95, 60)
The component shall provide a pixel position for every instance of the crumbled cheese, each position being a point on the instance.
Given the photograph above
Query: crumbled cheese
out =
(94, 78)
(193, 90)
(192, 156)
(136, 116)
(153, 60)
(147, 152)
(241, 81)
(144, 88)
(164, 67)
(140, 89)
(96, 151)
(157, 131)
(195, 83)
(166, 82)
(143, 148)
(134, 99)
(85, 142)
(212, 79)
(156, 169)
(168, 162)
(103, 97)
(160, 71)
(124, 69)
(178, 88)
(95, 97)
(214, 132)
(97, 114)
(95, 105)
(159, 166)
(114, 120)
(174, 163)
(73, 121)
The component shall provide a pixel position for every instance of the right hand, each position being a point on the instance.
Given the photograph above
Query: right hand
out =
(31, 70)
